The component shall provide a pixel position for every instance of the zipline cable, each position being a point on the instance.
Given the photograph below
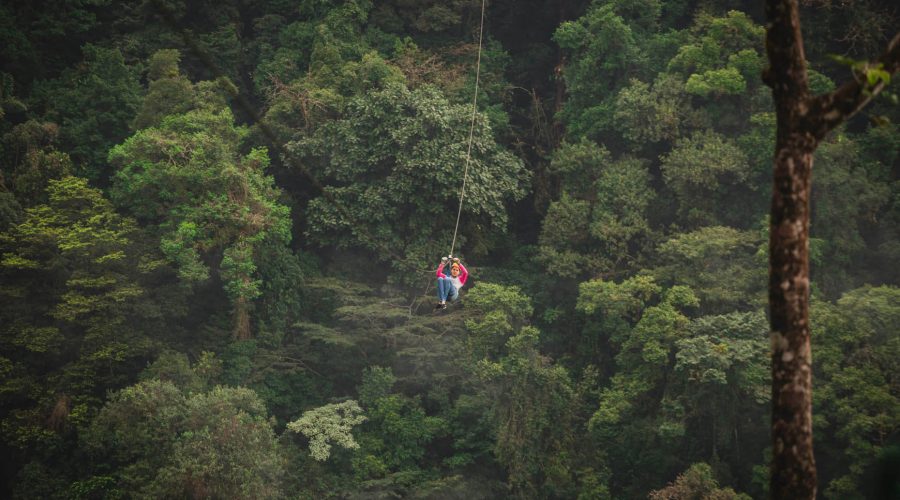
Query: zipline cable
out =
(462, 192)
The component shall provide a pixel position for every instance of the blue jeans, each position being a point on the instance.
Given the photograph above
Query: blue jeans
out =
(446, 290)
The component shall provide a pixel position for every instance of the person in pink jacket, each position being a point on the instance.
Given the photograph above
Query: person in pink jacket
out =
(448, 286)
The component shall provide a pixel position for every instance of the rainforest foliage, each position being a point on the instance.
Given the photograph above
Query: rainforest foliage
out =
(219, 223)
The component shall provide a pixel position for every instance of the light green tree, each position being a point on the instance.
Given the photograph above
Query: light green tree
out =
(500, 312)
(332, 423)
(719, 64)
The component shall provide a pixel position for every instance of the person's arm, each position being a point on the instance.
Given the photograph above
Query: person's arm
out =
(463, 273)
(440, 271)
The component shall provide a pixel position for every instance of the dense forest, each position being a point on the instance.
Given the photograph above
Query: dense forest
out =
(220, 223)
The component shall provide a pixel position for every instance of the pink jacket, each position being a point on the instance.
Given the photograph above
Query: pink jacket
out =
(463, 274)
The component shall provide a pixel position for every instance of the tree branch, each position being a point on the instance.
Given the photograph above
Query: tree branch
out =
(827, 111)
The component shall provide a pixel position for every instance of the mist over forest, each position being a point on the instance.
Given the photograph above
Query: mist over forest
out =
(221, 225)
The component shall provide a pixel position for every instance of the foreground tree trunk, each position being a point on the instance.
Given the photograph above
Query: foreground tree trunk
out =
(802, 121)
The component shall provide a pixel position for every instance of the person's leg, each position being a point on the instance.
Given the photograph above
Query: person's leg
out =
(442, 288)
(454, 293)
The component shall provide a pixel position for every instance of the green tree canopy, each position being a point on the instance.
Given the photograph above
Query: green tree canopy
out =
(856, 398)
(392, 168)
(599, 224)
(214, 208)
(159, 442)
(532, 398)
(93, 105)
(605, 52)
(31, 160)
(706, 170)
(724, 265)
(77, 317)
